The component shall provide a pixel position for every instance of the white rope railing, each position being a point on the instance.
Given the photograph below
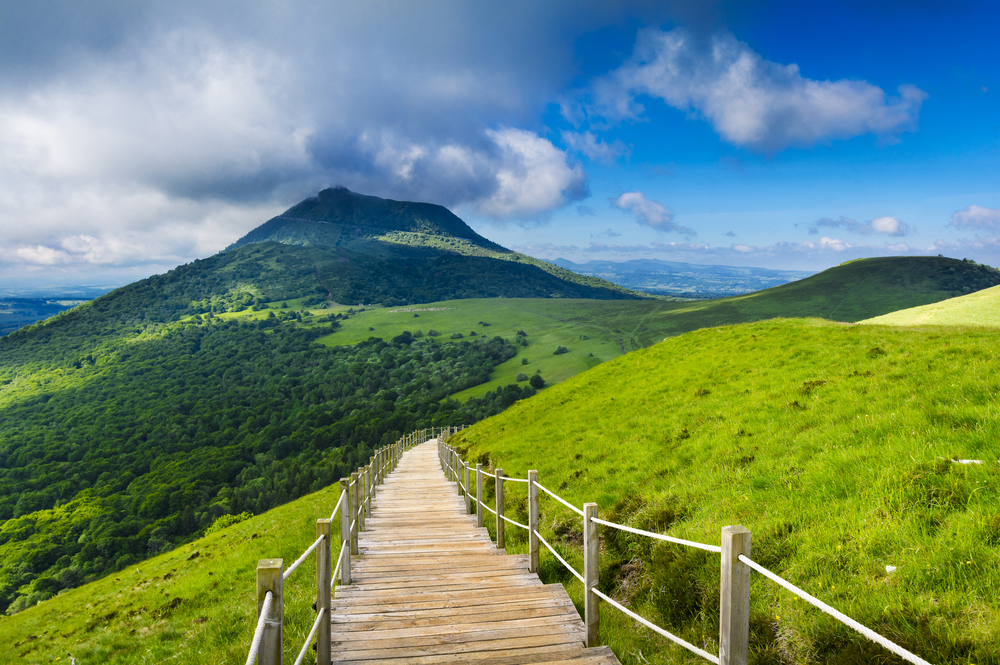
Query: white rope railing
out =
(336, 569)
(483, 504)
(836, 614)
(305, 647)
(560, 499)
(343, 495)
(687, 645)
(561, 560)
(507, 519)
(298, 562)
(515, 480)
(659, 536)
(265, 610)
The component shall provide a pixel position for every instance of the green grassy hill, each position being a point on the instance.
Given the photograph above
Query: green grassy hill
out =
(195, 604)
(833, 444)
(976, 309)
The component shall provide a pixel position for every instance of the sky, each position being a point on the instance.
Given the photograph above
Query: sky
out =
(135, 137)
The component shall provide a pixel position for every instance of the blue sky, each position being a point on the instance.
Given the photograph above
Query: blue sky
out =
(134, 137)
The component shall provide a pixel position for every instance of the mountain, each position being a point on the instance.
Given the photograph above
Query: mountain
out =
(364, 249)
(684, 280)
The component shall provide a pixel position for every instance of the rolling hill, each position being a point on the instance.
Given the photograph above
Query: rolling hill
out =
(981, 308)
(837, 446)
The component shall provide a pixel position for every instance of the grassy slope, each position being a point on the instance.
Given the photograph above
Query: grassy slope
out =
(829, 442)
(181, 606)
(976, 309)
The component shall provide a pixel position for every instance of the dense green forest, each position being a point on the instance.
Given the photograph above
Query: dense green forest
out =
(108, 456)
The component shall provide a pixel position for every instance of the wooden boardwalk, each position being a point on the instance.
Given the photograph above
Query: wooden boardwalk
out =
(430, 587)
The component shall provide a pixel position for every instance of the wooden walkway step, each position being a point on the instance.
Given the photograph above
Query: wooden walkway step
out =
(430, 587)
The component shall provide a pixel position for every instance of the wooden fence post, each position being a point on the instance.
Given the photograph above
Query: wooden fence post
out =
(591, 570)
(269, 573)
(345, 532)
(479, 495)
(361, 498)
(532, 521)
(354, 513)
(734, 597)
(468, 491)
(501, 542)
(323, 571)
(369, 487)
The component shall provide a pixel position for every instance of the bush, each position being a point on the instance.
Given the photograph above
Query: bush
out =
(433, 333)
(521, 377)
(227, 520)
(456, 335)
(560, 349)
(524, 361)
(537, 381)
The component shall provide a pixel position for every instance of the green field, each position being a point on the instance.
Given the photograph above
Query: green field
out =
(196, 604)
(833, 444)
(976, 309)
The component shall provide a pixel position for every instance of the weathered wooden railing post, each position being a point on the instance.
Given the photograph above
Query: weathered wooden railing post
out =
(345, 532)
(468, 490)
(479, 495)
(361, 499)
(458, 473)
(323, 572)
(501, 542)
(734, 597)
(532, 521)
(591, 548)
(269, 573)
(370, 485)
(354, 513)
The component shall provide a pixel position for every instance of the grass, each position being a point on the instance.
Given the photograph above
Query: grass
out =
(833, 444)
(976, 309)
(194, 604)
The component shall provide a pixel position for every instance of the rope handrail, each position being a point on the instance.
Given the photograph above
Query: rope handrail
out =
(687, 645)
(515, 480)
(561, 560)
(337, 507)
(507, 519)
(336, 569)
(305, 647)
(258, 633)
(483, 504)
(839, 616)
(559, 499)
(298, 562)
(659, 536)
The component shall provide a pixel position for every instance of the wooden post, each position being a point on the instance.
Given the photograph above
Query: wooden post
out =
(591, 547)
(370, 484)
(479, 495)
(361, 499)
(532, 521)
(734, 597)
(468, 491)
(345, 532)
(501, 542)
(323, 571)
(354, 513)
(269, 579)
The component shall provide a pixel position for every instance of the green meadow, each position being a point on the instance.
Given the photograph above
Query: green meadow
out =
(195, 604)
(837, 446)
(976, 309)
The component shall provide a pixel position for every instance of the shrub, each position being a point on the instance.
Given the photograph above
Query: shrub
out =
(456, 335)
(524, 361)
(521, 333)
(227, 520)
(537, 381)
(521, 377)
(560, 349)
(433, 333)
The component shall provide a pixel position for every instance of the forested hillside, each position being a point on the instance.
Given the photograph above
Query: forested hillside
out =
(109, 457)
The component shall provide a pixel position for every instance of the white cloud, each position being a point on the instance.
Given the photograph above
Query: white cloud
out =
(595, 149)
(650, 213)
(533, 176)
(976, 217)
(889, 226)
(750, 101)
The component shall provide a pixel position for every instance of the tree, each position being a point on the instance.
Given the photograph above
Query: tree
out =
(559, 350)
(537, 382)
